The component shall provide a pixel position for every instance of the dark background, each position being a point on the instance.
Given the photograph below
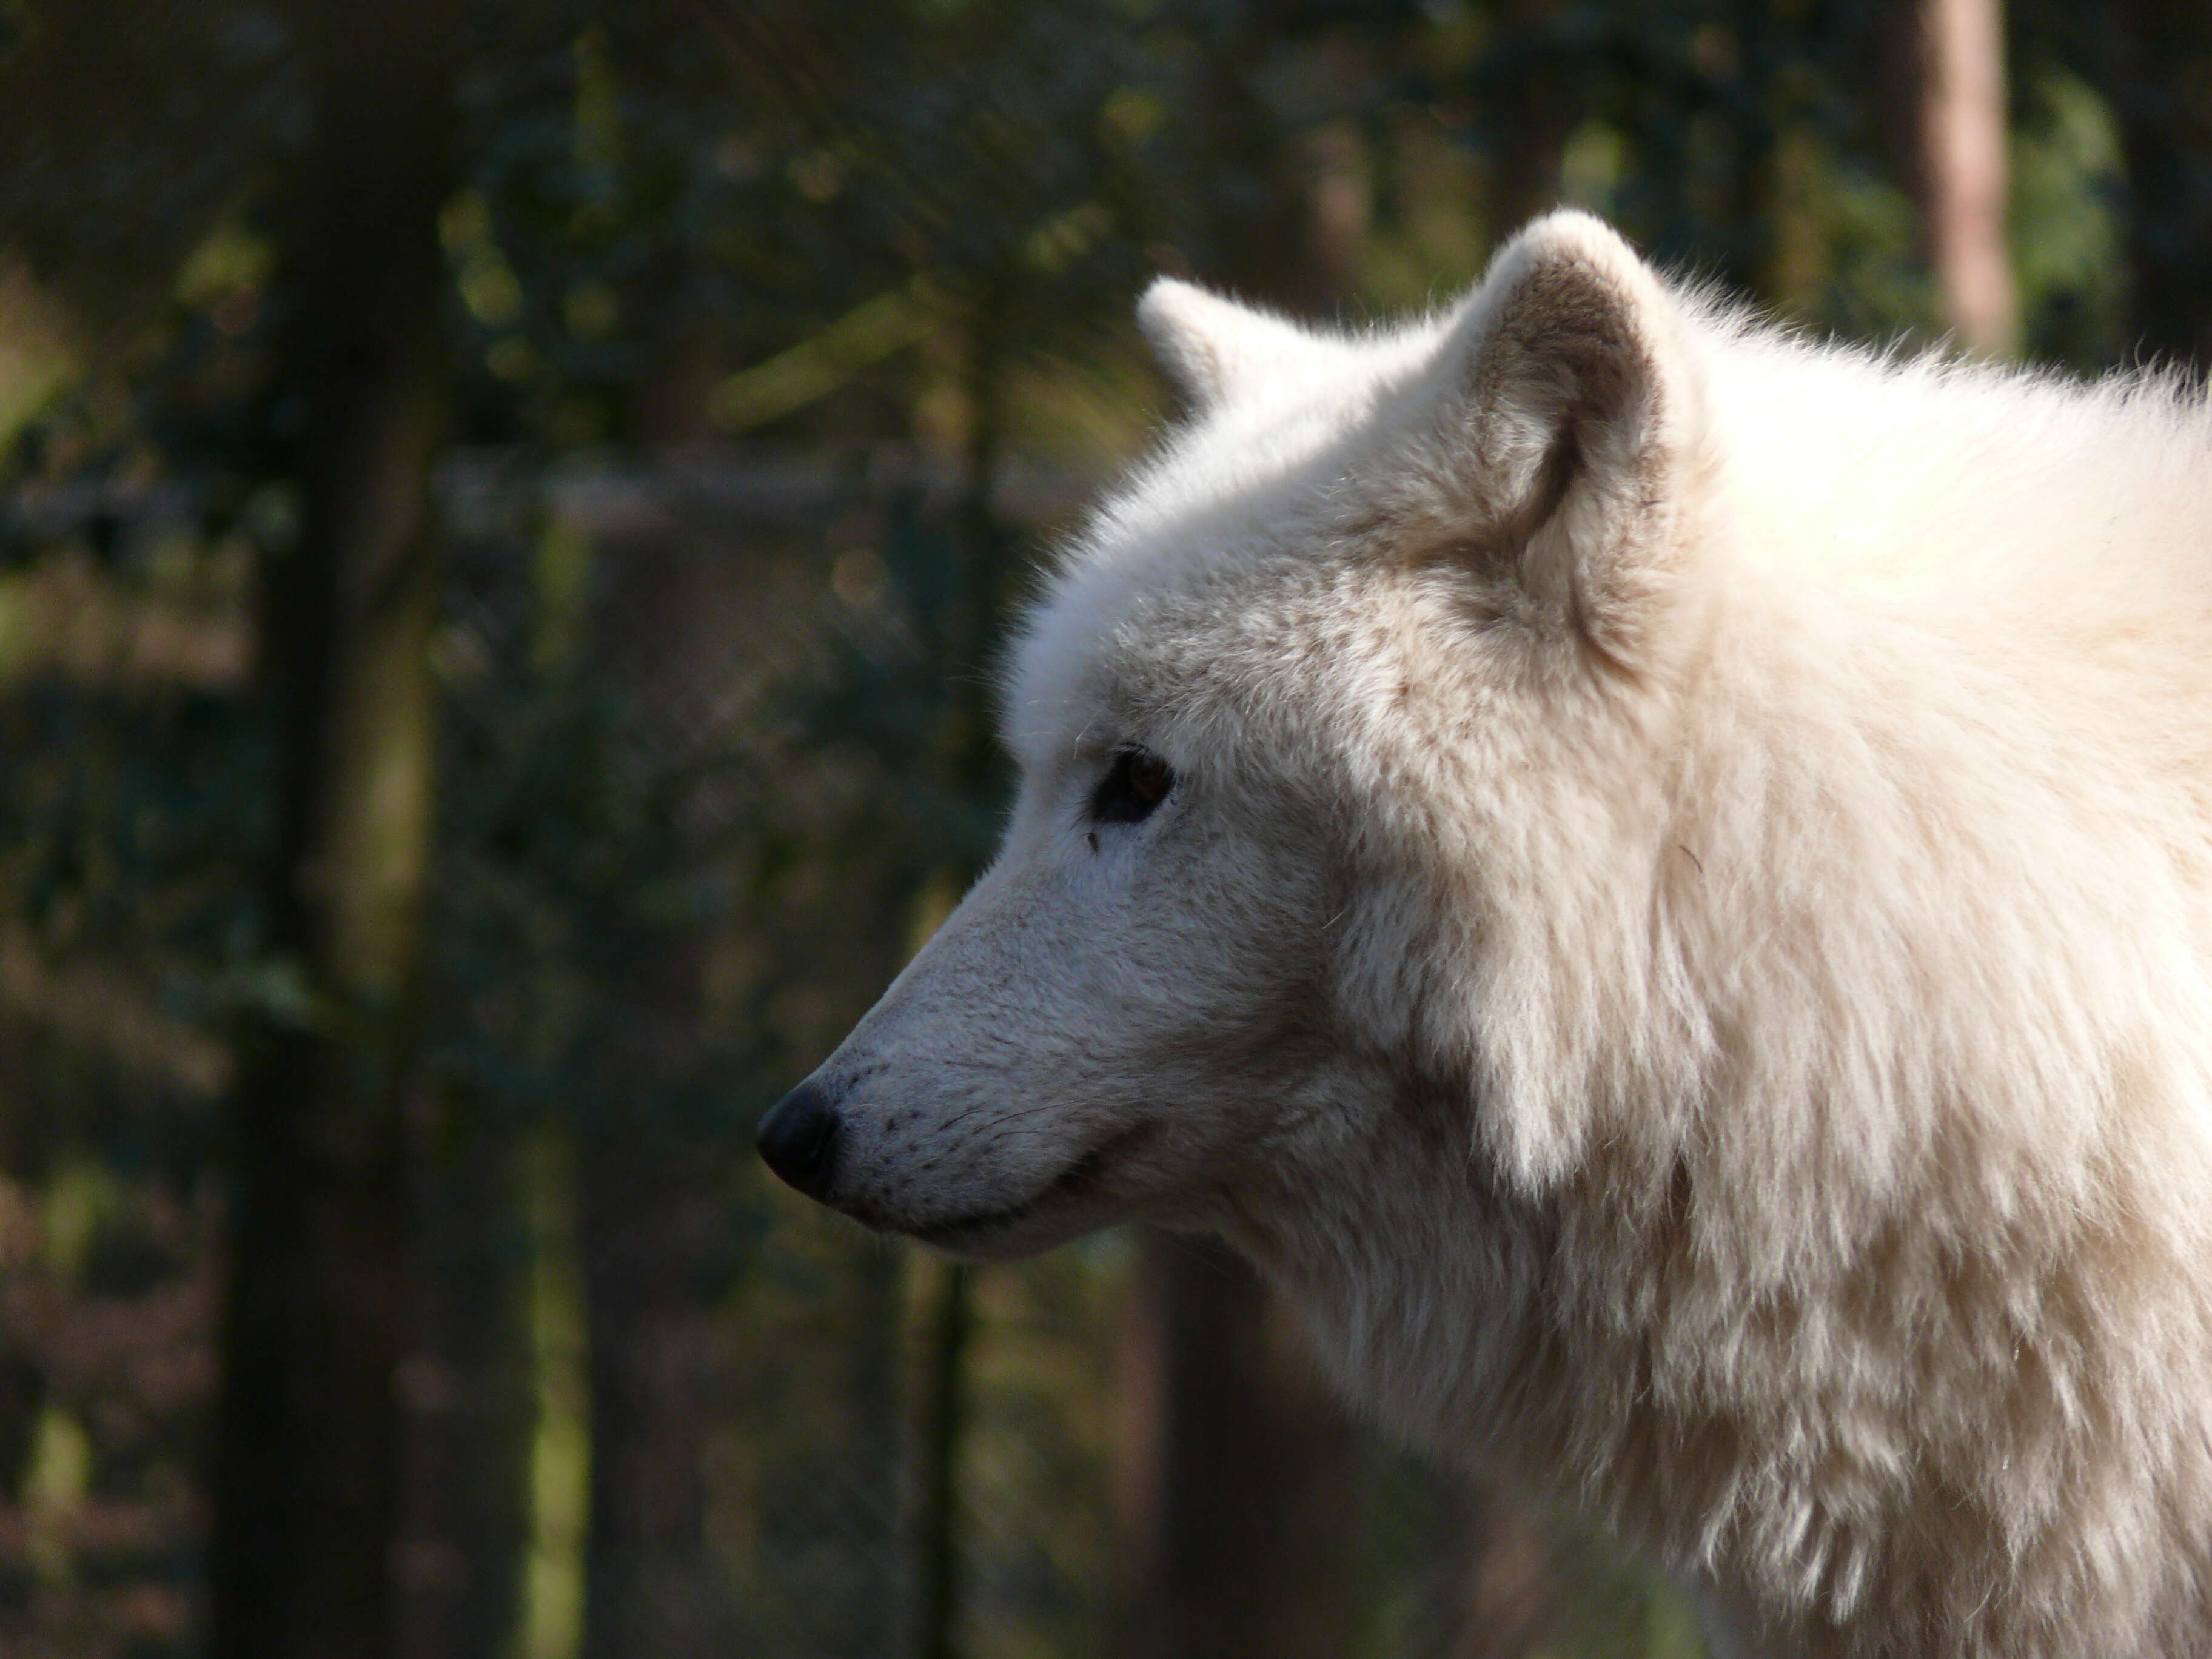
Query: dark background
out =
(506, 511)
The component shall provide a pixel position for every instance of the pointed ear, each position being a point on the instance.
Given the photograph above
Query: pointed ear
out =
(1574, 430)
(1212, 348)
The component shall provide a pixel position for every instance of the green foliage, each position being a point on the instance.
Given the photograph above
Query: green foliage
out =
(2066, 240)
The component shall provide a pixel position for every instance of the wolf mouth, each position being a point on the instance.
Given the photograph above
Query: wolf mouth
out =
(1078, 1179)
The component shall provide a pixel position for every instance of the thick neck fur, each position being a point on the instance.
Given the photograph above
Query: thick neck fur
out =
(1777, 1441)
(1911, 1191)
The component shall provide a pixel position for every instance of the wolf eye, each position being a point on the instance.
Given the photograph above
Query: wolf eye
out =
(1137, 781)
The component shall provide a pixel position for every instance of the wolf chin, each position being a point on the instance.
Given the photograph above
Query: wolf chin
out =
(1656, 878)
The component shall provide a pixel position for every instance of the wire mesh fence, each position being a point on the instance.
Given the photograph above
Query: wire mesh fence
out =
(693, 816)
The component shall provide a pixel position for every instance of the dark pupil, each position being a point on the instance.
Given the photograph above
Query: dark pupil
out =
(1137, 781)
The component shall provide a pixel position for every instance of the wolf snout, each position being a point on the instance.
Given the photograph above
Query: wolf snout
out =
(797, 1139)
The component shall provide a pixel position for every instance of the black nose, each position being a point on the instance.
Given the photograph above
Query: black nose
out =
(797, 1139)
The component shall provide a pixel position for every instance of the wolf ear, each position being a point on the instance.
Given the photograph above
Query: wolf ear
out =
(1573, 420)
(1212, 348)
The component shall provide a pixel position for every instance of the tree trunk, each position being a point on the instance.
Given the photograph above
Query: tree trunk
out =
(931, 1523)
(1239, 1489)
(653, 1194)
(2155, 61)
(306, 1477)
(650, 1224)
(467, 1387)
(1963, 167)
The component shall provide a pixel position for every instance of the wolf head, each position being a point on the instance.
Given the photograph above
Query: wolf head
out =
(1655, 877)
(1340, 737)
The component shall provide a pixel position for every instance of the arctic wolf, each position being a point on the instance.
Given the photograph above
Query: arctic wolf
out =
(1657, 879)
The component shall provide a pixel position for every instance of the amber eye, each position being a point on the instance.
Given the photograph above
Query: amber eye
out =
(1134, 784)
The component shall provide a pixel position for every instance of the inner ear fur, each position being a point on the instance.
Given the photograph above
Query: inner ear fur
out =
(1571, 416)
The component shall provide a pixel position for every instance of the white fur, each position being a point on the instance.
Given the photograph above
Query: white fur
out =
(1682, 938)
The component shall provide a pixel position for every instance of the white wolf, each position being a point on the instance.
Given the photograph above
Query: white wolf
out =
(1657, 879)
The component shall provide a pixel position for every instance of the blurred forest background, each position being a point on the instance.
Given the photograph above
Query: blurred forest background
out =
(505, 509)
